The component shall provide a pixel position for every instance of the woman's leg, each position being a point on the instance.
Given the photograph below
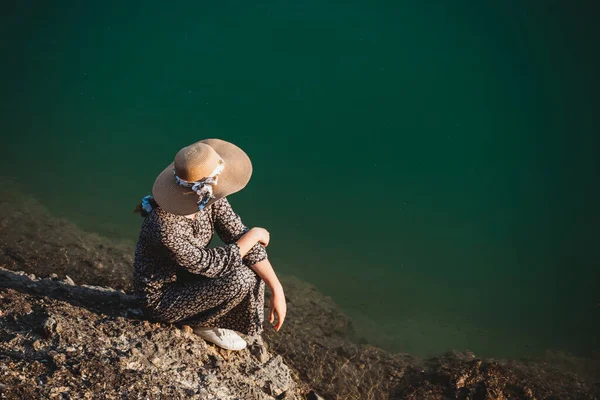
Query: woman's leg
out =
(248, 314)
(234, 301)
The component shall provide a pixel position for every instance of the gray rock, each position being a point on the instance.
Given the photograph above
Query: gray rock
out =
(259, 352)
(114, 356)
(274, 377)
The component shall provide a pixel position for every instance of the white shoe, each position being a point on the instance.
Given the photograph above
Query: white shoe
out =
(224, 338)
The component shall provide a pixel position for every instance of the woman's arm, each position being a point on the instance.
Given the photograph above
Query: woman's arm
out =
(252, 243)
(252, 238)
(230, 228)
(212, 263)
(265, 271)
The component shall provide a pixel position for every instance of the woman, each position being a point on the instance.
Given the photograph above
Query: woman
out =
(215, 290)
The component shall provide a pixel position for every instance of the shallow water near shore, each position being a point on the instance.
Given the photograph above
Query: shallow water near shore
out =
(433, 169)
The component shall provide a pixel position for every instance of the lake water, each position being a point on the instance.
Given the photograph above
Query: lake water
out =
(431, 166)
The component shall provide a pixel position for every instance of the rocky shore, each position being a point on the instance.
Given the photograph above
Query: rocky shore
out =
(70, 329)
(61, 340)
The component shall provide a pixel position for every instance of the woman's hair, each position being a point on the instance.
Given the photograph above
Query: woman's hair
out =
(146, 206)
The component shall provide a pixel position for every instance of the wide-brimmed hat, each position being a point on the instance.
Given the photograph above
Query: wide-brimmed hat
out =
(201, 174)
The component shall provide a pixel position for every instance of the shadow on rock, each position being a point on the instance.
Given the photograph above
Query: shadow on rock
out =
(96, 298)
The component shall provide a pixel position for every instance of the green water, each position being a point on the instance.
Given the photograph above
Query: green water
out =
(432, 166)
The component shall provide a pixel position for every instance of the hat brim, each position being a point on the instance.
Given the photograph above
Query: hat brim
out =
(181, 200)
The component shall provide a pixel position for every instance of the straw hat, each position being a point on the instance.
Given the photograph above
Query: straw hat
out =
(201, 174)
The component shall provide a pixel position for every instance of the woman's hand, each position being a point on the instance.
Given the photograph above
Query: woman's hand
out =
(278, 307)
(250, 238)
(262, 235)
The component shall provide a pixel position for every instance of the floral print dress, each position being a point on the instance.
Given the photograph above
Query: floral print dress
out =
(179, 279)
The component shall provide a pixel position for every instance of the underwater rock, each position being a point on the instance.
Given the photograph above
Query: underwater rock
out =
(34, 241)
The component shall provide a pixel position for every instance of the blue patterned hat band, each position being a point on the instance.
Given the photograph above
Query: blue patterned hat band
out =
(203, 187)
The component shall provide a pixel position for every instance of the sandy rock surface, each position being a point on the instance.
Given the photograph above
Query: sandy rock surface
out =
(60, 338)
(91, 342)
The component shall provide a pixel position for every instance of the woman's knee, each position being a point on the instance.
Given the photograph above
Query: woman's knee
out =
(244, 278)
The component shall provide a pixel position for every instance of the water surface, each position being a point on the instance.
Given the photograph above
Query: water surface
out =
(432, 167)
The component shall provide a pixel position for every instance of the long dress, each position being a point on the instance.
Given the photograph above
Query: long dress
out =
(180, 280)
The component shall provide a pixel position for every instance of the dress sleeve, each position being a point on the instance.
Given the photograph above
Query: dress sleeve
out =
(229, 227)
(213, 262)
